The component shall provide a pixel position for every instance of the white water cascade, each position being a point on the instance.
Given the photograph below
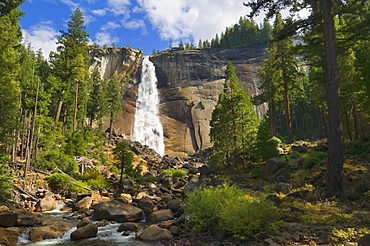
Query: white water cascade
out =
(147, 127)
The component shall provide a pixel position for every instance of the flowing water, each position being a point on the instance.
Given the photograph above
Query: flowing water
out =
(147, 127)
(107, 235)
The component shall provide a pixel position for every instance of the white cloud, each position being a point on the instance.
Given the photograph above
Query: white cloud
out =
(42, 36)
(72, 5)
(105, 38)
(181, 19)
(134, 24)
(99, 12)
(119, 7)
(110, 26)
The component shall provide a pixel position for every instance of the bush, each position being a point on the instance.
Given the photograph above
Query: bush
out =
(6, 182)
(229, 208)
(95, 180)
(174, 173)
(349, 235)
(54, 158)
(58, 181)
(76, 188)
(314, 158)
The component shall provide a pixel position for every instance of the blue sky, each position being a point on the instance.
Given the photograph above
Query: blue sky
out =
(144, 24)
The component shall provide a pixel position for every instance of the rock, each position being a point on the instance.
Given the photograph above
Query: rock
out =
(4, 208)
(160, 215)
(274, 163)
(146, 205)
(280, 176)
(47, 203)
(8, 219)
(174, 205)
(204, 170)
(26, 218)
(117, 211)
(83, 222)
(154, 233)
(189, 187)
(44, 232)
(129, 226)
(300, 148)
(270, 242)
(86, 231)
(364, 241)
(9, 236)
(283, 187)
(84, 203)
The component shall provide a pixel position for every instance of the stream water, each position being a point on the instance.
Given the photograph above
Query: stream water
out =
(147, 126)
(107, 235)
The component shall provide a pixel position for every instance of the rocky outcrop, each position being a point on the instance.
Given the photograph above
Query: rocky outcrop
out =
(189, 83)
(123, 61)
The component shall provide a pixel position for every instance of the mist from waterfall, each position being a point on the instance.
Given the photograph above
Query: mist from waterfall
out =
(147, 127)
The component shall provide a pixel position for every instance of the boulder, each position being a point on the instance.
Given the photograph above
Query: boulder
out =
(160, 215)
(174, 205)
(146, 205)
(274, 163)
(83, 222)
(84, 203)
(8, 219)
(26, 218)
(9, 236)
(128, 226)
(87, 231)
(47, 203)
(154, 233)
(364, 241)
(49, 230)
(117, 211)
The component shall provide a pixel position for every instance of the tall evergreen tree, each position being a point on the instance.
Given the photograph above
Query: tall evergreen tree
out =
(71, 67)
(234, 122)
(324, 12)
(10, 37)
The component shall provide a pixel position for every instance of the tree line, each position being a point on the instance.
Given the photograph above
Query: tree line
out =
(48, 108)
(244, 33)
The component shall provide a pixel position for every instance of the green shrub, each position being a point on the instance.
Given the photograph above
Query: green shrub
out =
(314, 158)
(174, 173)
(58, 181)
(349, 235)
(77, 188)
(358, 147)
(76, 144)
(249, 218)
(229, 208)
(6, 182)
(266, 145)
(54, 158)
(95, 180)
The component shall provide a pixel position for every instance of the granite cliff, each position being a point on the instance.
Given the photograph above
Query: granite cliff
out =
(189, 83)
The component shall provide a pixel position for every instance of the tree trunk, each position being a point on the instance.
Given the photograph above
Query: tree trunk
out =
(59, 109)
(336, 145)
(287, 106)
(75, 110)
(272, 118)
(32, 132)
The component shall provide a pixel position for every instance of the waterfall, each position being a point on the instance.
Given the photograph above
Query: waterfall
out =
(147, 127)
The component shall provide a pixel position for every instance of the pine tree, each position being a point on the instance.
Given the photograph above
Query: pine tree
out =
(71, 67)
(234, 122)
(10, 37)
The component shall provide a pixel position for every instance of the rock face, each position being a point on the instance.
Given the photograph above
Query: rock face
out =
(189, 84)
